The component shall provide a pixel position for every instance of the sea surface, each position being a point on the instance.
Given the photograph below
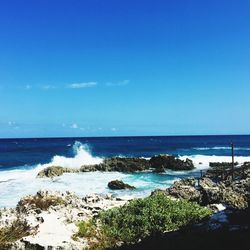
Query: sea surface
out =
(22, 159)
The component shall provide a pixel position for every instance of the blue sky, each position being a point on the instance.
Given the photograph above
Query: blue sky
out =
(113, 67)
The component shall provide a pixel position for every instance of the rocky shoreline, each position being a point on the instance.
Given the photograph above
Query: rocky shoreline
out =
(52, 217)
(124, 164)
(48, 220)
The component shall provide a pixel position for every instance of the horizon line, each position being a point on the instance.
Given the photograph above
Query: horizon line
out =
(118, 136)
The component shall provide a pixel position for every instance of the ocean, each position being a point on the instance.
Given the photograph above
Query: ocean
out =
(22, 159)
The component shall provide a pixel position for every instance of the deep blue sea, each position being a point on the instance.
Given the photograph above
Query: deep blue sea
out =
(22, 159)
(19, 152)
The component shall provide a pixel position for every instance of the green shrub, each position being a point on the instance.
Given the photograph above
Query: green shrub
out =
(150, 216)
(143, 217)
(86, 229)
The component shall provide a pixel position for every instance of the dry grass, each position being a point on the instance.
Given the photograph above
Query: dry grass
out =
(17, 230)
(36, 202)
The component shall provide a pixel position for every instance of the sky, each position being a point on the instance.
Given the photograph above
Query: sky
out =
(114, 67)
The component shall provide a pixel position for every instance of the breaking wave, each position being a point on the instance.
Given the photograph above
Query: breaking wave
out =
(82, 156)
(20, 182)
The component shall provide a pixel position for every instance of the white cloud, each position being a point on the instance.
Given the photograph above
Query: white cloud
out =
(117, 84)
(113, 129)
(82, 85)
(74, 126)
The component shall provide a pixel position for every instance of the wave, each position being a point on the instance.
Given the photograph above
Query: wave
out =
(202, 161)
(82, 156)
(17, 183)
(221, 148)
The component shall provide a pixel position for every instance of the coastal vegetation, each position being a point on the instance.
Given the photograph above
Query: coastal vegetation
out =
(15, 231)
(140, 218)
(39, 202)
(208, 208)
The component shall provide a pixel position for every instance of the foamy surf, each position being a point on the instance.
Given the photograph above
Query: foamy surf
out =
(82, 156)
(14, 184)
(202, 161)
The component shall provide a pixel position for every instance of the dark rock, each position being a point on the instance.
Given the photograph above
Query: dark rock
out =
(185, 189)
(116, 185)
(54, 171)
(170, 162)
(221, 164)
(120, 164)
(40, 219)
(124, 164)
(234, 194)
(88, 168)
(210, 191)
(159, 169)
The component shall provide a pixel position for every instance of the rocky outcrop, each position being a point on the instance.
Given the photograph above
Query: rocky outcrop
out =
(170, 162)
(157, 164)
(52, 218)
(185, 189)
(54, 171)
(235, 194)
(116, 185)
(120, 164)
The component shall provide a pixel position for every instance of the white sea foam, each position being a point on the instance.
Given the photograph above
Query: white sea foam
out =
(82, 157)
(202, 161)
(15, 184)
(221, 148)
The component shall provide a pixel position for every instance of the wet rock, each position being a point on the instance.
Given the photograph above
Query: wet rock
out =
(116, 185)
(156, 164)
(123, 164)
(170, 162)
(54, 171)
(159, 169)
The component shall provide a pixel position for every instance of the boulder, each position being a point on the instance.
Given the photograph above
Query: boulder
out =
(116, 185)
(54, 171)
(211, 192)
(170, 162)
(234, 194)
(185, 189)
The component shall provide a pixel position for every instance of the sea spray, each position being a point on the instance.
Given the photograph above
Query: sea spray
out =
(82, 156)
